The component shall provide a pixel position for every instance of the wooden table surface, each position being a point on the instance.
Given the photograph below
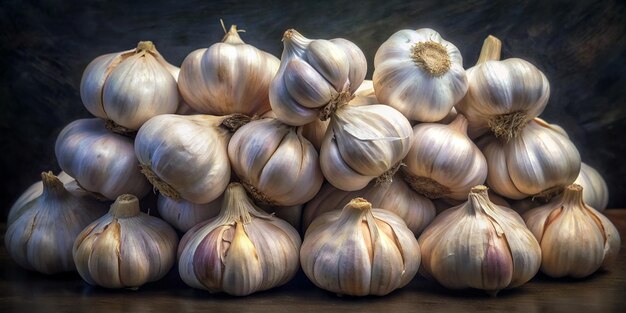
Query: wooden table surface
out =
(23, 291)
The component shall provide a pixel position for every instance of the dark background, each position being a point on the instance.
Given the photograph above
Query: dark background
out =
(45, 45)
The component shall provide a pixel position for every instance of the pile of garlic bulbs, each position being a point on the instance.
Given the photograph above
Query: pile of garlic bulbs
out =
(265, 166)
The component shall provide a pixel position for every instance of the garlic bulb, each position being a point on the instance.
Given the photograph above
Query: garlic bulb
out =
(184, 215)
(443, 161)
(363, 143)
(185, 156)
(275, 163)
(129, 87)
(359, 251)
(595, 189)
(479, 245)
(503, 95)
(416, 211)
(539, 161)
(314, 77)
(576, 240)
(420, 74)
(101, 161)
(228, 77)
(41, 236)
(125, 248)
(241, 251)
(443, 204)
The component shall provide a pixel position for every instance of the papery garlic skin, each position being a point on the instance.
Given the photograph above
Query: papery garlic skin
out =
(420, 74)
(396, 196)
(275, 163)
(241, 251)
(125, 248)
(576, 240)
(183, 215)
(41, 236)
(186, 156)
(101, 161)
(538, 160)
(443, 161)
(479, 245)
(359, 251)
(228, 77)
(363, 143)
(595, 189)
(129, 87)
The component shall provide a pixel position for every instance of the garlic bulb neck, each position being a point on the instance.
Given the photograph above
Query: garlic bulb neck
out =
(236, 204)
(232, 36)
(294, 43)
(573, 196)
(490, 51)
(432, 57)
(52, 186)
(145, 46)
(125, 206)
(459, 123)
(478, 199)
(508, 125)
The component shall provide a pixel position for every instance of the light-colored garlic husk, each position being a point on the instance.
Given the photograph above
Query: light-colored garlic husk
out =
(125, 248)
(276, 164)
(359, 251)
(129, 87)
(184, 215)
(443, 162)
(595, 189)
(503, 95)
(443, 204)
(396, 196)
(41, 236)
(576, 240)
(420, 74)
(479, 245)
(539, 161)
(185, 156)
(315, 76)
(241, 251)
(101, 161)
(228, 77)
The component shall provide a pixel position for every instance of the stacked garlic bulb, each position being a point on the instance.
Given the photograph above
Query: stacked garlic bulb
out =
(125, 248)
(241, 251)
(479, 245)
(101, 161)
(129, 87)
(359, 251)
(416, 210)
(185, 156)
(228, 77)
(576, 240)
(595, 189)
(184, 215)
(42, 234)
(420, 74)
(539, 160)
(503, 96)
(275, 163)
(443, 161)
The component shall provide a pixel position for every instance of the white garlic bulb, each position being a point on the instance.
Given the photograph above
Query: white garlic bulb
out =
(443, 161)
(363, 143)
(185, 156)
(42, 235)
(420, 74)
(101, 161)
(443, 204)
(314, 77)
(503, 95)
(595, 189)
(125, 248)
(184, 215)
(416, 210)
(359, 251)
(479, 245)
(228, 77)
(576, 240)
(539, 160)
(275, 163)
(129, 87)
(241, 251)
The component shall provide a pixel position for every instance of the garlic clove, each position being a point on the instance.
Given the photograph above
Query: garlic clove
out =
(358, 63)
(306, 85)
(337, 171)
(330, 61)
(595, 189)
(242, 274)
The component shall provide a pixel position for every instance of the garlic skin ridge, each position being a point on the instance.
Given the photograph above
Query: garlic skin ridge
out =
(359, 251)
(576, 240)
(41, 236)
